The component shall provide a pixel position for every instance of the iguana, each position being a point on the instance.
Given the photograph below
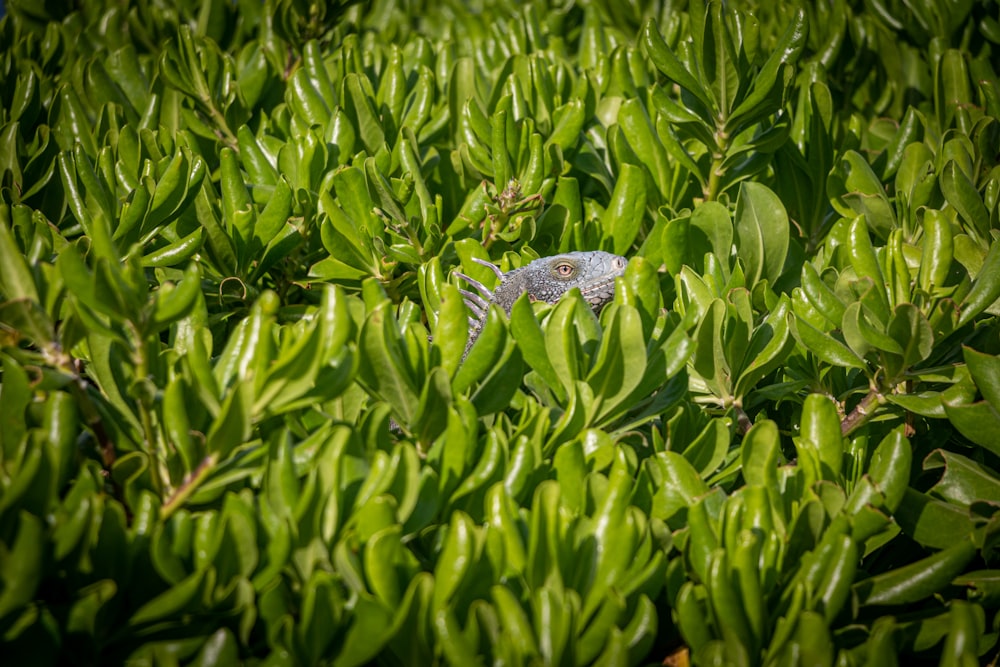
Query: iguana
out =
(545, 279)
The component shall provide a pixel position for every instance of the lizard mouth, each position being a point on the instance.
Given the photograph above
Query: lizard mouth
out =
(600, 293)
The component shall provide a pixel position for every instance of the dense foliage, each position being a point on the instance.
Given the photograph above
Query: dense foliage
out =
(227, 232)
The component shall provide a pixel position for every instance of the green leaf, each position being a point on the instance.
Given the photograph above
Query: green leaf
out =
(962, 195)
(760, 454)
(937, 251)
(820, 296)
(640, 133)
(623, 217)
(16, 281)
(24, 317)
(530, 338)
(820, 445)
(175, 303)
(979, 422)
(862, 335)
(710, 358)
(862, 256)
(82, 284)
(381, 192)
(554, 616)
(909, 326)
(384, 368)
(274, 216)
(824, 346)
(767, 350)
(983, 586)
(916, 173)
(613, 529)
(620, 363)
(255, 161)
(761, 232)
(305, 100)
(932, 523)
(708, 450)
(692, 618)
(430, 420)
(711, 230)
(389, 565)
(321, 603)
(787, 51)
(455, 560)
(859, 192)
(669, 64)
(485, 353)
(889, 472)
(17, 394)
(985, 289)
(368, 634)
(451, 328)
(496, 392)
(727, 606)
(918, 580)
(176, 188)
(21, 564)
(562, 343)
(963, 481)
(501, 158)
(813, 643)
(232, 427)
(718, 59)
(179, 598)
(676, 484)
(568, 122)
(360, 108)
(220, 649)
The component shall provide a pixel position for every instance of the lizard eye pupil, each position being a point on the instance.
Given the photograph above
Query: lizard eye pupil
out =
(564, 270)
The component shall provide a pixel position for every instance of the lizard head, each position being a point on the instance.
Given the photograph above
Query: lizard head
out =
(545, 279)
(593, 272)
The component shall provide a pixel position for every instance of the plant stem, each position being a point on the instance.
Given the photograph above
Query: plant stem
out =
(711, 190)
(223, 127)
(862, 412)
(188, 486)
(92, 419)
(141, 361)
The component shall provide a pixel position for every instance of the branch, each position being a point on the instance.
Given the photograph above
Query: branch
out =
(191, 482)
(743, 423)
(862, 412)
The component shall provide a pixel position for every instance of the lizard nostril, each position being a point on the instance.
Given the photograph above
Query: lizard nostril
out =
(619, 262)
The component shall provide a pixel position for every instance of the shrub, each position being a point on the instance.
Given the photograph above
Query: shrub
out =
(237, 422)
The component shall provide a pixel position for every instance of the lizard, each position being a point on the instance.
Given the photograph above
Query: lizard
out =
(545, 279)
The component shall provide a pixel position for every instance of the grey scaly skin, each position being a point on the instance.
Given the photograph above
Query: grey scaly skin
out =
(545, 279)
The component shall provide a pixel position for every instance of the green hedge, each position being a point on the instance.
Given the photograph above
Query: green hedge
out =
(227, 238)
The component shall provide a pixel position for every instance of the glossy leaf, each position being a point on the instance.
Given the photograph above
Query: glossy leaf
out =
(761, 232)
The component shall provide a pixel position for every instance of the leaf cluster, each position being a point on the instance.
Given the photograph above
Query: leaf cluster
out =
(238, 418)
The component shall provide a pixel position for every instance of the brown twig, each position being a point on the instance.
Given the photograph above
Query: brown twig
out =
(743, 422)
(862, 412)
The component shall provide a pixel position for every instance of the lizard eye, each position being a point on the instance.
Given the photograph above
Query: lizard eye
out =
(564, 269)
